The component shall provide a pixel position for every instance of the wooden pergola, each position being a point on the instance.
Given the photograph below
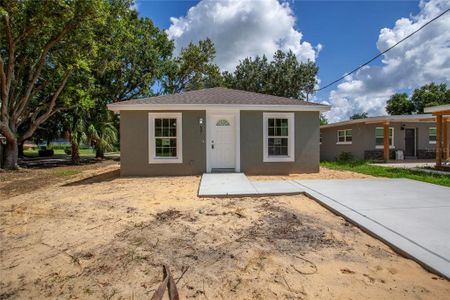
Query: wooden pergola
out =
(442, 117)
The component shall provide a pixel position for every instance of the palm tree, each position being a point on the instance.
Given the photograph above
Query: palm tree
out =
(76, 130)
(103, 134)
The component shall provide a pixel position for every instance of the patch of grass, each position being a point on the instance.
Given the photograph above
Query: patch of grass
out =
(66, 172)
(83, 152)
(364, 168)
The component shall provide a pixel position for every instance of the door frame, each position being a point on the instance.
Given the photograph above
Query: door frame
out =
(415, 140)
(237, 119)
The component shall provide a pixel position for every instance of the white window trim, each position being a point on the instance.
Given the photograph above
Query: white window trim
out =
(345, 136)
(431, 142)
(152, 159)
(382, 146)
(291, 137)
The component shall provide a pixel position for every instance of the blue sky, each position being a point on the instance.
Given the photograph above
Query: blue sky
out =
(347, 31)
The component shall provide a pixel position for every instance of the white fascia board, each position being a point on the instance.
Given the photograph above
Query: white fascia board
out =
(119, 107)
(438, 108)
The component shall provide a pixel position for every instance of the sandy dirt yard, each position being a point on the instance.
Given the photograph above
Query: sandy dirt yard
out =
(94, 235)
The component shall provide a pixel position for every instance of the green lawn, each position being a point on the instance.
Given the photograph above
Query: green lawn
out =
(365, 168)
(83, 152)
(66, 172)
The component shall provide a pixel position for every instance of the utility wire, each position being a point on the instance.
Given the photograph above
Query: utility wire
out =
(393, 46)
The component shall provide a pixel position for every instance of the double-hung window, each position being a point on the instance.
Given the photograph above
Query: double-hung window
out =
(279, 139)
(344, 136)
(165, 140)
(379, 137)
(432, 135)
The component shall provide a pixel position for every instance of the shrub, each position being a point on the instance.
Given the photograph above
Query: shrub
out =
(68, 150)
(345, 157)
(45, 152)
(57, 146)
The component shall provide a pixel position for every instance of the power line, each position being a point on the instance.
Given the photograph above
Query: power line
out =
(393, 46)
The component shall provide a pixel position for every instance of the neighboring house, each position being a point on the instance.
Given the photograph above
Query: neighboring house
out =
(415, 135)
(218, 129)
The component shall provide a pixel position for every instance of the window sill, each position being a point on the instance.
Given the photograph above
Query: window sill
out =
(343, 143)
(432, 142)
(279, 159)
(161, 160)
(382, 147)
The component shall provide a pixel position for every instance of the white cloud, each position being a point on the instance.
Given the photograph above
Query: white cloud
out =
(241, 28)
(421, 59)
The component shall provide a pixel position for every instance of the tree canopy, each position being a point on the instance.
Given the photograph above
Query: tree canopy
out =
(284, 76)
(428, 95)
(357, 116)
(72, 56)
(192, 69)
(42, 45)
(399, 104)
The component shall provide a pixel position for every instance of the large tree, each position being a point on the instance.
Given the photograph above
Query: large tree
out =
(133, 55)
(284, 76)
(65, 52)
(430, 95)
(399, 104)
(192, 69)
(358, 116)
(42, 44)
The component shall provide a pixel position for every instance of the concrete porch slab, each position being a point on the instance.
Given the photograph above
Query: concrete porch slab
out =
(224, 184)
(238, 185)
(412, 217)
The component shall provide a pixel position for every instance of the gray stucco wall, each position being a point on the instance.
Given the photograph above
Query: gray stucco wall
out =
(363, 136)
(306, 145)
(134, 152)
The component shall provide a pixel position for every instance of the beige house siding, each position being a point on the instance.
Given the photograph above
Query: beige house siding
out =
(363, 138)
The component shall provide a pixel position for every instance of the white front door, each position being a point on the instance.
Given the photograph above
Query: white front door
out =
(222, 141)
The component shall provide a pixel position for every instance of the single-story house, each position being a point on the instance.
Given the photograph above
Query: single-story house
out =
(218, 129)
(377, 138)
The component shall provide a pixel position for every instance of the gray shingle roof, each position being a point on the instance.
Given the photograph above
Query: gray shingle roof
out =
(217, 95)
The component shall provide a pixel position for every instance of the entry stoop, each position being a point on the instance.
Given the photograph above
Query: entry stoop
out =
(238, 185)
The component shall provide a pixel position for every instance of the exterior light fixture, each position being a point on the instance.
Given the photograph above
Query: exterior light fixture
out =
(201, 123)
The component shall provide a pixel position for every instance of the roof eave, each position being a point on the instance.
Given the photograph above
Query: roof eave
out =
(117, 107)
(374, 120)
(439, 108)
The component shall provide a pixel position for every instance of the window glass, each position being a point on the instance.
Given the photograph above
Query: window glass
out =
(165, 137)
(344, 136)
(278, 137)
(223, 123)
(379, 136)
(432, 134)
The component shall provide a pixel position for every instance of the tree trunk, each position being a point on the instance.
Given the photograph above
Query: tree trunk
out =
(20, 149)
(75, 153)
(99, 154)
(10, 155)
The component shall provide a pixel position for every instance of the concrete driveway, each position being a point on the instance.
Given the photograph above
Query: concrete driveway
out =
(411, 216)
